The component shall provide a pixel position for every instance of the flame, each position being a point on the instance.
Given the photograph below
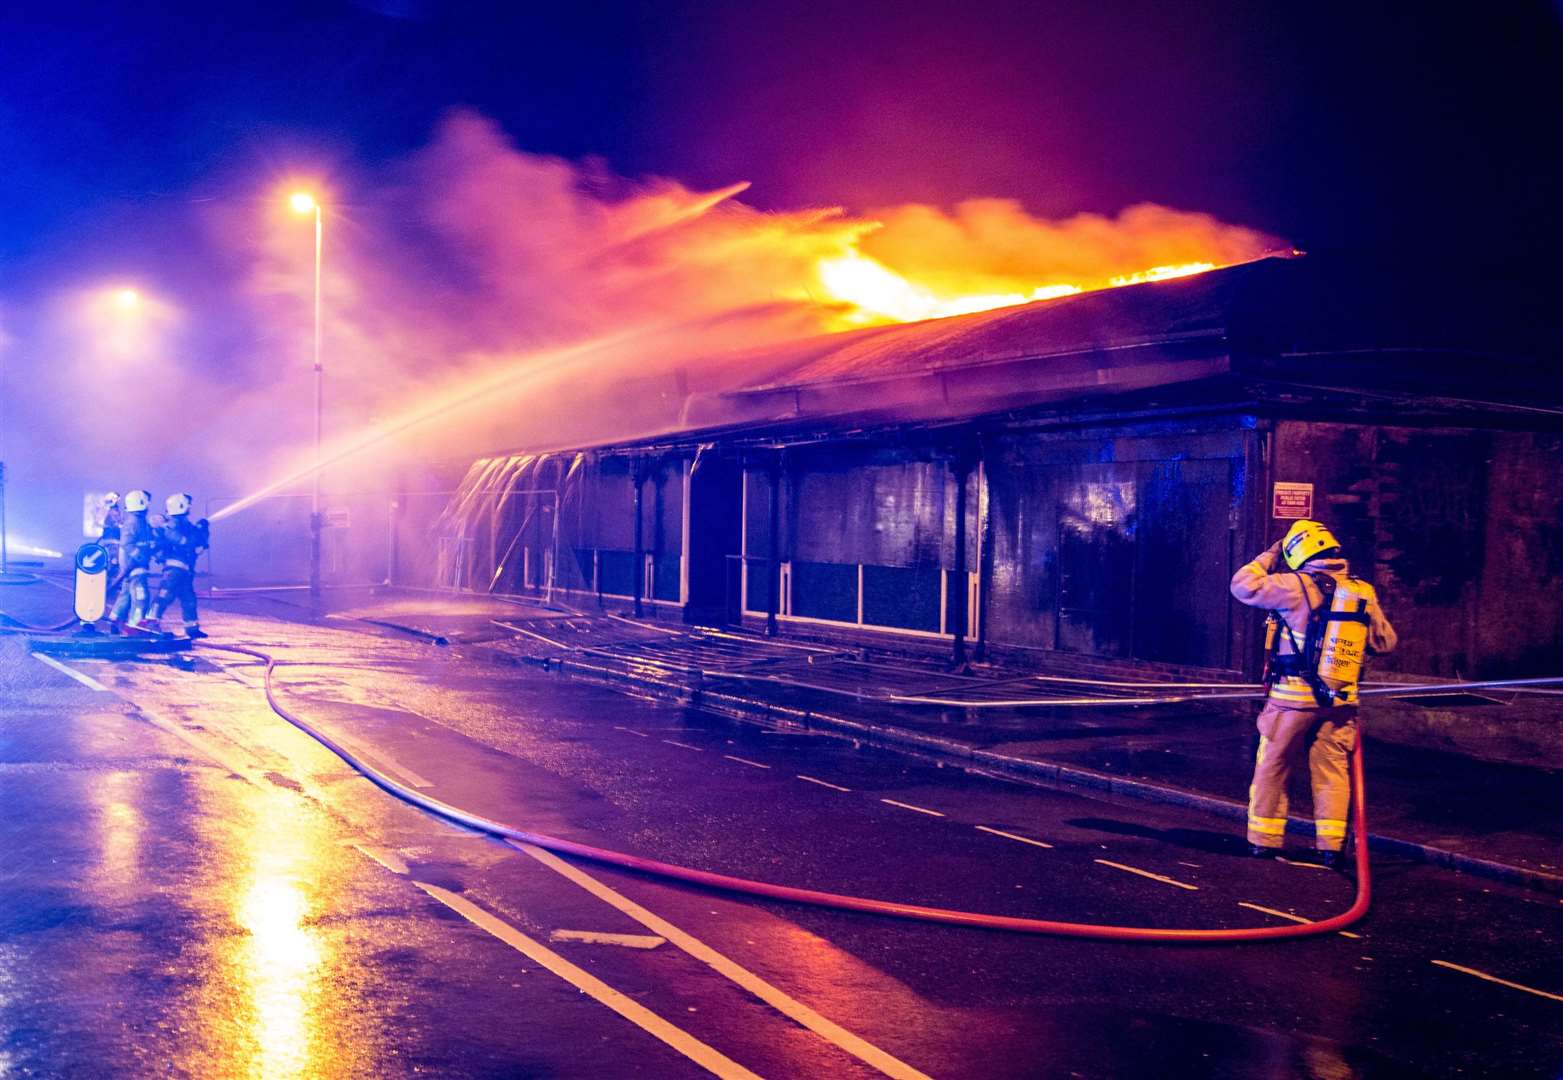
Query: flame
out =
(875, 294)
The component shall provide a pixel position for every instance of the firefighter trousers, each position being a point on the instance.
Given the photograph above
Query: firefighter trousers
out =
(177, 584)
(131, 603)
(1327, 737)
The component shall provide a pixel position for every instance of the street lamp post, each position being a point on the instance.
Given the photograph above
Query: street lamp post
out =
(305, 203)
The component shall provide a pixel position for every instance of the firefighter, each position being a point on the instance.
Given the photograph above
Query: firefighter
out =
(179, 544)
(136, 543)
(110, 519)
(1323, 625)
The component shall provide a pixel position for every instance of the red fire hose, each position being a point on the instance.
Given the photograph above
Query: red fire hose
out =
(768, 891)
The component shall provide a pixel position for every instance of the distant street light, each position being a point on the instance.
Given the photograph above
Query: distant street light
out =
(127, 299)
(303, 202)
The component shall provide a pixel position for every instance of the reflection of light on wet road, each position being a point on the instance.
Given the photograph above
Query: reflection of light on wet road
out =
(283, 956)
(120, 827)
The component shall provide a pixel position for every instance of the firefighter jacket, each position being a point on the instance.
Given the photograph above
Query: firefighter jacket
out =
(1294, 596)
(180, 541)
(137, 541)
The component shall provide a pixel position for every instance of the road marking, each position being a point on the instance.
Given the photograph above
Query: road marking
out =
(1299, 862)
(1500, 982)
(685, 745)
(1012, 836)
(86, 680)
(592, 937)
(788, 1006)
(745, 761)
(631, 731)
(706, 1057)
(1289, 915)
(909, 806)
(1148, 874)
(822, 783)
(384, 856)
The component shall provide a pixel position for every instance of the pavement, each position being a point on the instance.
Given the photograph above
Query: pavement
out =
(194, 887)
(1498, 820)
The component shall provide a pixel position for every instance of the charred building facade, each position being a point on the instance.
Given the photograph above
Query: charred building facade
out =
(1076, 478)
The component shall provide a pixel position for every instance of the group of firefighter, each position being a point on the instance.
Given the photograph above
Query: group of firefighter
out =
(135, 542)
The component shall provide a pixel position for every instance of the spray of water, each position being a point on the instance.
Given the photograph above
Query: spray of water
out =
(533, 368)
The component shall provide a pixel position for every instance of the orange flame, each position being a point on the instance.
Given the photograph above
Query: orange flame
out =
(875, 294)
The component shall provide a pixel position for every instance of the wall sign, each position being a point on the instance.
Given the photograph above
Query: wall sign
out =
(1292, 501)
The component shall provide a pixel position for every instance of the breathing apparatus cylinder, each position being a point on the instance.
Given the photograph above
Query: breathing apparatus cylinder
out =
(1344, 648)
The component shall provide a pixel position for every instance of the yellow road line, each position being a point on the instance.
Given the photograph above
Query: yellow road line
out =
(909, 806)
(713, 1061)
(1500, 982)
(823, 783)
(779, 1000)
(745, 761)
(1013, 836)
(1289, 915)
(1148, 874)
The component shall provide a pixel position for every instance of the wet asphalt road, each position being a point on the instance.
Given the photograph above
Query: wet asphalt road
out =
(193, 887)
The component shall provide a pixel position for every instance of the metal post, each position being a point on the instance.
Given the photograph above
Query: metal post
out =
(5, 565)
(314, 501)
(638, 572)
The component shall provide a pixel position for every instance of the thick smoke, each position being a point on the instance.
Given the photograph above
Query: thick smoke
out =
(473, 255)
(547, 302)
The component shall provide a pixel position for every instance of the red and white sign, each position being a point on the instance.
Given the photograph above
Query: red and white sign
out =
(1292, 501)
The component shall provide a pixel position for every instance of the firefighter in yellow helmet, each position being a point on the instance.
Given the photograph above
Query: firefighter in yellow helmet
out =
(1323, 626)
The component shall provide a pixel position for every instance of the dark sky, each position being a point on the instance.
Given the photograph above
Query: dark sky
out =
(1424, 131)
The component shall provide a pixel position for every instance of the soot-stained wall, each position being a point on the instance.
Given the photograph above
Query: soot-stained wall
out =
(1459, 529)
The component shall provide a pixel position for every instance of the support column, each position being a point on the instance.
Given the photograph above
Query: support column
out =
(955, 612)
(638, 574)
(774, 569)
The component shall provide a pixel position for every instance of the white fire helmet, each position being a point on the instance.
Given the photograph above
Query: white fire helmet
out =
(179, 505)
(110, 500)
(137, 501)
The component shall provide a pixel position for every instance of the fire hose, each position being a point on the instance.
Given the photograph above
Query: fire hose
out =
(770, 891)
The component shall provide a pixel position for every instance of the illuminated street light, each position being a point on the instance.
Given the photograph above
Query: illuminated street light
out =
(127, 299)
(303, 202)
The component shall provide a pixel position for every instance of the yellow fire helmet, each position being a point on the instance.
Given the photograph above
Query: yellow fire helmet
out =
(1306, 540)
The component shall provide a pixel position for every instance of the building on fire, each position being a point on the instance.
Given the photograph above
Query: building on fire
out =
(1076, 478)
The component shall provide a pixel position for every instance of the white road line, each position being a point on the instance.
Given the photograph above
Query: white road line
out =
(1500, 982)
(1148, 874)
(822, 783)
(384, 856)
(685, 745)
(1012, 836)
(593, 937)
(1289, 915)
(745, 761)
(788, 1006)
(86, 680)
(909, 806)
(706, 1057)
(631, 731)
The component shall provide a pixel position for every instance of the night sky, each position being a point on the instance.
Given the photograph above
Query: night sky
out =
(1421, 132)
